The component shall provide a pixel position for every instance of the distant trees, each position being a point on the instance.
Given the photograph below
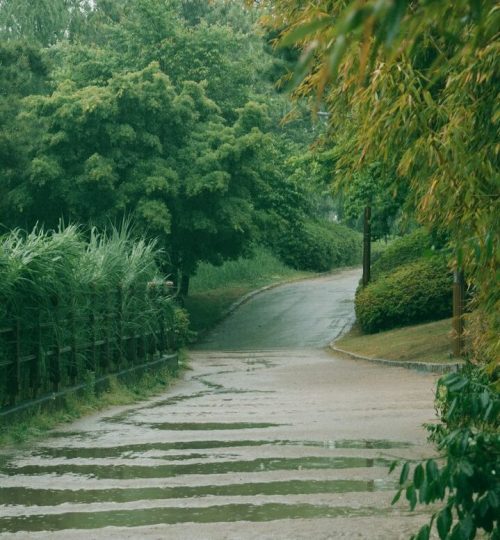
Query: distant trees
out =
(161, 110)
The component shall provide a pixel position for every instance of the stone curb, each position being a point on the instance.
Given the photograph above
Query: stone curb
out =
(428, 367)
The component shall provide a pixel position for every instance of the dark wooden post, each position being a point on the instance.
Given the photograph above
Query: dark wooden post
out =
(367, 245)
(73, 368)
(119, 322)
(107, 322)
(55, 372)
(37, 358)
(15, 385)
(458, 310)
(93, 330)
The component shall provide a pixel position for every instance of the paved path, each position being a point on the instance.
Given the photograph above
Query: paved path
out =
(256, 442)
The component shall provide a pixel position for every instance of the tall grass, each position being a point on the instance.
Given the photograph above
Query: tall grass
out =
(261, 266)
(74, 283)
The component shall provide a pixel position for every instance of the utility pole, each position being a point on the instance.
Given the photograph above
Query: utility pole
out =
(458, 310)
(367, 237)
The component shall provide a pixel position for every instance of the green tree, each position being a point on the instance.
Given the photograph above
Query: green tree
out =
(413, 86)
(23, 72)
(41, 21)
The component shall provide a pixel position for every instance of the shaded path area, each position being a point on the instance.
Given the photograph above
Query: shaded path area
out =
(308, 313)
(284, 442)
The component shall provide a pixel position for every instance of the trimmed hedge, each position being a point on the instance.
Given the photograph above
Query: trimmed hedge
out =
(320, 246)
(416, 292)
(402, 251)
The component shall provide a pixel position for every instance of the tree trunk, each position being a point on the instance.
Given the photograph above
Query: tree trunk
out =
(458, 310)
(367, 233)
(184, 288)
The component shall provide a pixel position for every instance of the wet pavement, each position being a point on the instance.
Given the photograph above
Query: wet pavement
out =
(283, 441)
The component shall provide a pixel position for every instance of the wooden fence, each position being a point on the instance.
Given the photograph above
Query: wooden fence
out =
(50, 348)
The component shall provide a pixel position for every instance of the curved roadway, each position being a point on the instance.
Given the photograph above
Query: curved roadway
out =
(267, 436)
(307, 313)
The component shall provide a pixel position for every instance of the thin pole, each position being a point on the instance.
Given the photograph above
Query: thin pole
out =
(458, 309)
(367, 245)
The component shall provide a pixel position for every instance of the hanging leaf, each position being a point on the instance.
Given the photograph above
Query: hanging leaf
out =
(299, 33)
(443, 522)
(404, 473)
(418, 476)
(336, 56)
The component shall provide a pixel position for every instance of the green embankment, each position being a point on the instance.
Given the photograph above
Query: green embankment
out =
(429, 342)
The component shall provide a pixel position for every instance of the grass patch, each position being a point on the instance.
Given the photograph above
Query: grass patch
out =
(428, 342)
(215, 288)
(35, 423)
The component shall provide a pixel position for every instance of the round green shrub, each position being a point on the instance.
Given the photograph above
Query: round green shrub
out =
(416, 292)
(319, 247)
(402, 251)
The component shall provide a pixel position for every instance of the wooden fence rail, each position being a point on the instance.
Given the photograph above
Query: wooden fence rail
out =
(47, 349)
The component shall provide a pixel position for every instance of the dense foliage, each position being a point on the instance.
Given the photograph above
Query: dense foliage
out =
(404, 250)
(162, 111)
(469, 440)
(66, 289)
(415, 292)
(319, 246)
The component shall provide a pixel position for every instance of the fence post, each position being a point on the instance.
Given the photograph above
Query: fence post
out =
(119, 321)
(133, 337)
(55, 371)
(92, 330)
(37, 360)
(107, 323)
(73, 368)
(15, 384)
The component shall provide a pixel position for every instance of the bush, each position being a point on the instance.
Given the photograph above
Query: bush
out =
(320, 246)
(417, 292)
(67, 301)
(402, 251)
(468, 441)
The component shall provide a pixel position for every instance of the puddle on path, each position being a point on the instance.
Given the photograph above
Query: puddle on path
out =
(87, 435)
(52, 497)
(161, 471)
(137, 450)
(206, 426)
(379, 444)
(216, 390)
(152, 516)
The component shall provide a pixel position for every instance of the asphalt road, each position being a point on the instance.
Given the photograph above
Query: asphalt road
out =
(307, 313)
(267, 436)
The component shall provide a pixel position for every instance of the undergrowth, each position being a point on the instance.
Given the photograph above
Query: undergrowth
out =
(261, 267)
(37, 423)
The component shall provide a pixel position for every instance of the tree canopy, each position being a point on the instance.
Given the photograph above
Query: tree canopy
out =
(413, 86)
(163, 111)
